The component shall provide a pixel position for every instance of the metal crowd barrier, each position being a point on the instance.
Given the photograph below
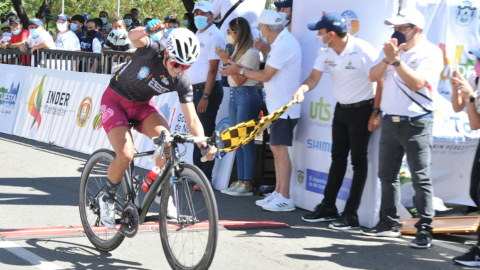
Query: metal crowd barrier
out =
(66, 60)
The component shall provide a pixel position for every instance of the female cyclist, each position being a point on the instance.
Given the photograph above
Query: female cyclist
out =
(157, 67)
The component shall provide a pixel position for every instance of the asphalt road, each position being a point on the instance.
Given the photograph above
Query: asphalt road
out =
(39, 188)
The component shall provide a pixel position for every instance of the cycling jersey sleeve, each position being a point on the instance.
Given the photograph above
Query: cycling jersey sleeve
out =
(184, 90)
(150, 49)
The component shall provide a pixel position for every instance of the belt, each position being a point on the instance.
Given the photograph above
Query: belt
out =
(399, 118)
(358, 104)
(198, 86)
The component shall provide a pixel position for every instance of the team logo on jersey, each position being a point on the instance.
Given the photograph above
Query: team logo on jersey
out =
(349, 66)
(143, 73)
(164, 79)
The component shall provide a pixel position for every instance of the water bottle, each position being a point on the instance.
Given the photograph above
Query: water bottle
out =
(151, 176)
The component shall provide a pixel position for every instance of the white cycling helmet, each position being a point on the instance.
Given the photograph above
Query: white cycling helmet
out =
(183, 46)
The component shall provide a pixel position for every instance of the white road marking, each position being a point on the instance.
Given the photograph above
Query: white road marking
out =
(28, 256)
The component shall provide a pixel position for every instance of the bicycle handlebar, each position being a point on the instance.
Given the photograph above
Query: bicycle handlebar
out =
(160, 142)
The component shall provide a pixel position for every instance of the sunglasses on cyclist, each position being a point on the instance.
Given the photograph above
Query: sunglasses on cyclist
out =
(178, 65)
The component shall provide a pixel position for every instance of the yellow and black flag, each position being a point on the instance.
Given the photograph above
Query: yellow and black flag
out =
(241, 134)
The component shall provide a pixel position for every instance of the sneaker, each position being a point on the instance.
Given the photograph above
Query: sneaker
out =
(382, 230)
(279, 204)
(231, 187)
(423, 239)
(471, 258)
(346, 221)
(241, 190)
(268, 198)
(321, 213)
(107, 212)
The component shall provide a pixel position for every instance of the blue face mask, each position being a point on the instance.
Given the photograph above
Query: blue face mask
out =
(16, 32)
(34, 33)
(185, 22)
(264, 39)
(167, 32)
(128, 22)
(118, 33)
(201, 22)
(73, 27)
(7, 34)
(104, 20)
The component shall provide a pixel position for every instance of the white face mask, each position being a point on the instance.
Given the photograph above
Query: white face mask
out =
(283, 15)
(62, 27)
(321, 43)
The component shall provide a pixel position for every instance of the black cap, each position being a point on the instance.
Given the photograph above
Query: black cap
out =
(284, 4)
(15, 19)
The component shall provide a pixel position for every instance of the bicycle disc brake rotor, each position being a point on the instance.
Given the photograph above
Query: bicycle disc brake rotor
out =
(129, 220)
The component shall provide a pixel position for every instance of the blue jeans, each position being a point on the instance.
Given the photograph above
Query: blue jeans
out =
(208, 122)
(245, 105)
(414, 138)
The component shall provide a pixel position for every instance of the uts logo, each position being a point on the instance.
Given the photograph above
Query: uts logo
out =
(143, 73)
(465, 13)
(352, 22)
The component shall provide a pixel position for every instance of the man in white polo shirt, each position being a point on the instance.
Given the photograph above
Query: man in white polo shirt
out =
(411, 66)
(281, 77)
(349, 60)
(38, 39)
(204, 77)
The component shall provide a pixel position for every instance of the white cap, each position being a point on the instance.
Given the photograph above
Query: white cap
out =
(407, 15)
(203, 6)
(270, 17)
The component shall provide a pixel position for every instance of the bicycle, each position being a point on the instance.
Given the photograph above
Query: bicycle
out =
(176, 180)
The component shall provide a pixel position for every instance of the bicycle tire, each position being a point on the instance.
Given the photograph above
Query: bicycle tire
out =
(190, 171)
(101, 244)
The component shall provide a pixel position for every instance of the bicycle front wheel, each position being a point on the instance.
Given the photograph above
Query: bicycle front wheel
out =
(189, 238)
(92, 187)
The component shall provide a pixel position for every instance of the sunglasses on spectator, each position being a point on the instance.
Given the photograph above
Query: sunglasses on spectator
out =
(400, 28)
(176, 65)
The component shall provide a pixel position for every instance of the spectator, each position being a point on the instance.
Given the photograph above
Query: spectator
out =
(38, 39)
(135, 23)
(118, 39)
(466, 94)
(10, 15)
(356, 114)
(3, 17)
(95, 41)
(76, 25)
(128, 20)
(146, 21)
(174, 23)
(281, 77)
(411, 66)
(6, 32)
(107, 26)
(249, 10)
(99, 24)
(207, 89)
(245, 101)
(66, 39)
(186, 19)
(86, 18)
(19, 36)
(188, 22)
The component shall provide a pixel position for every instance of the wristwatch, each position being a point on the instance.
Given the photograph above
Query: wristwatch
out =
(376, 111)
(470, 99)
(8, 45)
(396, 63)
(205, 96)
(241, 72)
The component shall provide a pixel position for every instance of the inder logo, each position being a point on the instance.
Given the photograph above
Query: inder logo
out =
(35, 103)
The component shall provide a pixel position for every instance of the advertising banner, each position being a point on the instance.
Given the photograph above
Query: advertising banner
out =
(11, 83)
(312, 145)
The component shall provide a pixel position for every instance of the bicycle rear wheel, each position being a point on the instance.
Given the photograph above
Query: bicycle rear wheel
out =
(92, 187)
(189, 242)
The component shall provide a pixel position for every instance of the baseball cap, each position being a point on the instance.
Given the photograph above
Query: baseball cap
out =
(330, 21)
(270, 17)
(85, 16)
(407, 15)
(203, 6)
(475, 52)
(36, 21)
(5, 25)
(62, 17)
(15, 19)
(284, 4)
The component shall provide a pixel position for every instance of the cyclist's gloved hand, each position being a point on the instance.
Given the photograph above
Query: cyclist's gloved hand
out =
(152, 27)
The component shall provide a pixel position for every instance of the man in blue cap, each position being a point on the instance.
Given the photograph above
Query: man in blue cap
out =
(285, 12)
(348, 60)
(38, 39)
(66, 39)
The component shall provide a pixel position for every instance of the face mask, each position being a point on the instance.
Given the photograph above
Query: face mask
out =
(400, 37)
(230, 39)
(477, 68)
(62, 27)
(201, 22)
(167, 32)
(185, 22)
(128, 22)
(264, 39)
(283, 15)
(35, 33)
(321, 43)
(16, 32)
(104, 20)
(118, 33)
(7, 34)
(73, 27)
(91, 32)
(157, 36)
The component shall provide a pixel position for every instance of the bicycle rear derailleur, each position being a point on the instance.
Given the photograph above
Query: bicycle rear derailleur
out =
(129, 220)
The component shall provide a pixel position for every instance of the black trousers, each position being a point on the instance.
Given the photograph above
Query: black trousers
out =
(349, 134)
(475, 184)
